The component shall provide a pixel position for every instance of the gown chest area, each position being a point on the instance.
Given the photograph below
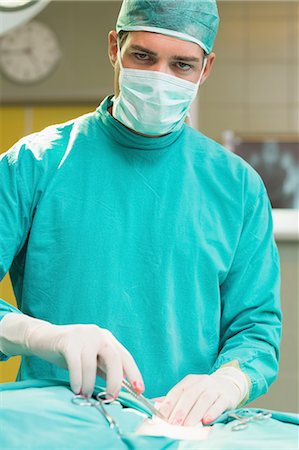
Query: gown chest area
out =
(146, 211)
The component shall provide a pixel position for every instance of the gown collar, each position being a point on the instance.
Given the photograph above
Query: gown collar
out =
(128, 138)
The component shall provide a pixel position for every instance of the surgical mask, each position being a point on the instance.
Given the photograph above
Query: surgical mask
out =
(152, 102)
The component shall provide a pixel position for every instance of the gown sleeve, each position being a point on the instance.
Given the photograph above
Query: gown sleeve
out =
(250, 301)
(18, 176)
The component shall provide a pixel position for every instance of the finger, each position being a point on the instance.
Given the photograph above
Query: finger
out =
(89, 370)
(189, 397)
(158, 399)
(169, 402)
(172, 397)
(131, 370)
(101, 368)
(183, 406)
(73, 360)
(215, 410)
(113, 369)
(204, 402)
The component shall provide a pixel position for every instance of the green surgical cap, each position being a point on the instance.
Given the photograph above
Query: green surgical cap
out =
(191, 20)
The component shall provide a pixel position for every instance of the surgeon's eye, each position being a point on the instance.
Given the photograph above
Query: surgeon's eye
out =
(141, 56)
(183, 66)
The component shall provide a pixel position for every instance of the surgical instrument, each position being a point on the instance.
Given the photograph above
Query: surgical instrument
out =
(243, 420)
(98, 403)
(142, 399)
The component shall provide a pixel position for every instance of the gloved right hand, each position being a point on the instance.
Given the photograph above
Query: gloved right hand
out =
(85, 350)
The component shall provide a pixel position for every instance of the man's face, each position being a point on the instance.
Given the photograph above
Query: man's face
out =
(152, 51)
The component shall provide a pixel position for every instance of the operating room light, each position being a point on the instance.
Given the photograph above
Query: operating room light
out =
(11, 4)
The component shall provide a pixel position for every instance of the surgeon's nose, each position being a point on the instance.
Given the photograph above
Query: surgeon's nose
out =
(161, 67)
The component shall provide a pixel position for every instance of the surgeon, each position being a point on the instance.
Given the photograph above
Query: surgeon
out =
(138, 247)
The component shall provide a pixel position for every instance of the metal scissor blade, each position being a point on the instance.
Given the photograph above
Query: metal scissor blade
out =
(151, 407)
(147, 403)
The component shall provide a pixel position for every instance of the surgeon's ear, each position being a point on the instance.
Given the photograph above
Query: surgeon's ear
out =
(208, 69)
(112, 47)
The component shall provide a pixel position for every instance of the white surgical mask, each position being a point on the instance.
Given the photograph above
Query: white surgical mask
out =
(152, 102)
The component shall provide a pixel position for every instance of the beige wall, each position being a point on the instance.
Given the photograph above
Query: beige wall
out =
(254, 85)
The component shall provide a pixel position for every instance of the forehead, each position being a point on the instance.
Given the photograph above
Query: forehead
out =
(162, 44)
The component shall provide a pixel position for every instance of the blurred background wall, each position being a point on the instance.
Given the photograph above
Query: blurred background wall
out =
(253, 90)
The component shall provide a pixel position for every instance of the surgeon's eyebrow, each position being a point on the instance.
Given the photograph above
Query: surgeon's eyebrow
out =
(143, 49)
(185, 58)
(175, 57)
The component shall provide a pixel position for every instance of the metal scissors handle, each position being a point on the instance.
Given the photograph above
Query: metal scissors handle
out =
(243, 421)
(101, 400)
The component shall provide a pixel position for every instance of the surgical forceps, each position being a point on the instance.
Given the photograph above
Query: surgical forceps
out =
(243, 420)
(98, 403)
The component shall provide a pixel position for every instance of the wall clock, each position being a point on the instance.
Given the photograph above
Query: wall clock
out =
(30, 53)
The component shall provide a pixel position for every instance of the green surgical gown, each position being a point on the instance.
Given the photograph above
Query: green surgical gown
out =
(167, 242)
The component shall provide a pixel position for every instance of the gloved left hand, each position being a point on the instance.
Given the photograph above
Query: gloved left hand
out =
(204, 397)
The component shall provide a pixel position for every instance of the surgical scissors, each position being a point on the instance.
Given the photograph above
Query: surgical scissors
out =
(102, 399)
(142, 399)
(98, 403)
(243, 420)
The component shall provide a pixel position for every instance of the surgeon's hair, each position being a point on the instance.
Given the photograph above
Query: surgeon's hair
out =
(123, 35)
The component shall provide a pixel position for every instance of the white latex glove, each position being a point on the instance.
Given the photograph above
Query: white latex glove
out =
(85, 350)
(204, 397)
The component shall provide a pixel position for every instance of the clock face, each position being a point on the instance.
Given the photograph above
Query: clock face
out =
(15, 5)
(30, 53)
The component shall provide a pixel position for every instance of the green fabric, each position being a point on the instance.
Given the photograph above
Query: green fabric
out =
(279, 432)
(198, 20)
(39, 414)
(248, 412)
(167, 242)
